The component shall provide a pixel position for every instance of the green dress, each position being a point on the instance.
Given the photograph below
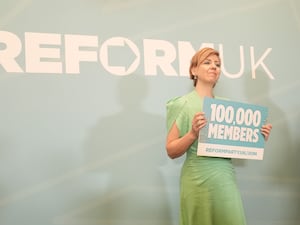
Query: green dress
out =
(208, 189)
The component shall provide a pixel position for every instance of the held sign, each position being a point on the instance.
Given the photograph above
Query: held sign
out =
(232, 130)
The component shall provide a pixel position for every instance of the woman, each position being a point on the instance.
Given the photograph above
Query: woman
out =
(208, 190)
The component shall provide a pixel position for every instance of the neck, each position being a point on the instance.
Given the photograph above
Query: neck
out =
(204, 90)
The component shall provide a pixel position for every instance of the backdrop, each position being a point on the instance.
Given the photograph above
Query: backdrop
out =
(83, 88)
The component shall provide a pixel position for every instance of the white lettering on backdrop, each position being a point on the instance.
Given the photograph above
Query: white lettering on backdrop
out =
(63, 53)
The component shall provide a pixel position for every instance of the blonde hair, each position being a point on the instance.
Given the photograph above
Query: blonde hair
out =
(198, 58)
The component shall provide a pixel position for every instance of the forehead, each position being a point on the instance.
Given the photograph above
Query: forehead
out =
(213, 57)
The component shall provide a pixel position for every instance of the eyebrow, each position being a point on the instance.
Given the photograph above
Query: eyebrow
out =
(211, 60)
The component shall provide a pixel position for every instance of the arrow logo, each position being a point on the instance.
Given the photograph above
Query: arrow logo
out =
(124, 43)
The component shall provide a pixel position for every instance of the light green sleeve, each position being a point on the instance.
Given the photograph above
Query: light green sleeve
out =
(176, 114)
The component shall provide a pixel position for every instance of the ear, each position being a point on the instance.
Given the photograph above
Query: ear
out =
(193, 70)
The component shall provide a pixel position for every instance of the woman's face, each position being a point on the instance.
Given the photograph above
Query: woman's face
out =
(209, 70)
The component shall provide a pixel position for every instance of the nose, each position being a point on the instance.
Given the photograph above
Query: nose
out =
(213, 66)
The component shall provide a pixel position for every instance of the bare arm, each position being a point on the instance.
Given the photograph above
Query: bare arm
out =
(176, 146)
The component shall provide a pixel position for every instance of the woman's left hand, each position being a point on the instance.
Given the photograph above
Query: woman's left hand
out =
(266, 130)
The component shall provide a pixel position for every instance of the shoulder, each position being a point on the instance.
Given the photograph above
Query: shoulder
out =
(189, 103)
(179, 102)
(176, 102)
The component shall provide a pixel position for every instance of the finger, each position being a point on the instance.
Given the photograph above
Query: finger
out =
(201, 118)
(265, 133)
(201, 123)
(267, 126)
(266, 130)
(199, 114)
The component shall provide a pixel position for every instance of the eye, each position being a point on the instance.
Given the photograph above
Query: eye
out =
(218, 65)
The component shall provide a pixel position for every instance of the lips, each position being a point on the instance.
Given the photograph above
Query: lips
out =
(212, 73)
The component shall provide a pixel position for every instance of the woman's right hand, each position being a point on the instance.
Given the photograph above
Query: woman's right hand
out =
(176, 145)
(199, 121)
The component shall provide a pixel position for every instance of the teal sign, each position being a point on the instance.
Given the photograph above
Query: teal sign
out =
(233, 129)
